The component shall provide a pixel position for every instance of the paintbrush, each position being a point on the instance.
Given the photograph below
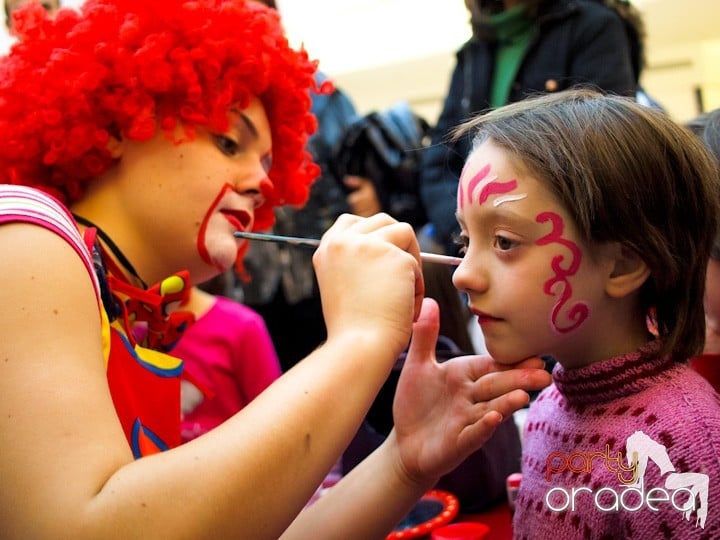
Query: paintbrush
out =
(313, 243)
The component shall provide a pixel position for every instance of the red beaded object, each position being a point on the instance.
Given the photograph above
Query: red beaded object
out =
(449, 510)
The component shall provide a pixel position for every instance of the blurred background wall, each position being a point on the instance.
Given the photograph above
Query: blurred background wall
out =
(384, 50)
(381, 51)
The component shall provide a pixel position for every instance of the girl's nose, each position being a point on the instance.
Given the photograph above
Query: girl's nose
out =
(468, 276)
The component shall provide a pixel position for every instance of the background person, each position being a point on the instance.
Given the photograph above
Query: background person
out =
(228, 357)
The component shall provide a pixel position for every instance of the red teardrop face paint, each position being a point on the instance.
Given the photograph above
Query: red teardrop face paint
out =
(215, 241)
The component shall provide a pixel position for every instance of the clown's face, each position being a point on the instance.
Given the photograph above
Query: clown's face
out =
(176, 206)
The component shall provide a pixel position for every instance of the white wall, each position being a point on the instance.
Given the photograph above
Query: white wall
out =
(683, 50)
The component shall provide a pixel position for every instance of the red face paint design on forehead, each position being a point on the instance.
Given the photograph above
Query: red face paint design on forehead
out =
(489, 187)
(580, 311)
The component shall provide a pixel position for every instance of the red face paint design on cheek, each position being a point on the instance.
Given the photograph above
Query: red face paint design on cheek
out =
(201, 239)
(580, 310)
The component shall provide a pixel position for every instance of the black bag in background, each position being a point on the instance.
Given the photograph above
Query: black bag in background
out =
(386, 147)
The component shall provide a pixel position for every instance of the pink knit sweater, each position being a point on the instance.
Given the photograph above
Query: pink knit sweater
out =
(662, 410)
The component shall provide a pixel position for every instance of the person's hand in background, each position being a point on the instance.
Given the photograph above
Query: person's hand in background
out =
(362, 199)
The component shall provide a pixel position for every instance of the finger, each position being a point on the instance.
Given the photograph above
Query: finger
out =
(403, 236)
(534, 362)
(505, 405)
(496, 384)
(481, 365)
(390, 230)
(425, 333)
(475, 435)
(374, 223)
(342, 223)
(352, 181)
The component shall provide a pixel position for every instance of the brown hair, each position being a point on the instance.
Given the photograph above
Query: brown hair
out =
(629, 174)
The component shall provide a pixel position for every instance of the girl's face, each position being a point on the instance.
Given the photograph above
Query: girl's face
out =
(187, 199)
(528, 277)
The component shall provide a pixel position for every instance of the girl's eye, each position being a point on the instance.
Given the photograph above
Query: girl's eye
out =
(226, 145)
(462, 241)
(504, 244)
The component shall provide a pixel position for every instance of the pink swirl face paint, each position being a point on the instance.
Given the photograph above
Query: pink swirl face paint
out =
(580, 311)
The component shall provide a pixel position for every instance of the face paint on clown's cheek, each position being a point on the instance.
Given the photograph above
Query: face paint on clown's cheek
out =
(201, 238)
(580, 311)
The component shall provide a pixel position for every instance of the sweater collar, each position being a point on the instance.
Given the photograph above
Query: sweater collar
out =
(614, 378)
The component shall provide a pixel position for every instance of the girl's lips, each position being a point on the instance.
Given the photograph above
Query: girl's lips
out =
(484, 318)
(239, 219)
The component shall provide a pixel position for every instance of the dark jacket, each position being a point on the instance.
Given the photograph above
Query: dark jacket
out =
(575, 42)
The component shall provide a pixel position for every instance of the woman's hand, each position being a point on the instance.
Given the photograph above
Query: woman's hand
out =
(370, 279)
(445, 411)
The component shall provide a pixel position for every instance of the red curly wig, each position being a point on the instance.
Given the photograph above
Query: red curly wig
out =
(127, 68)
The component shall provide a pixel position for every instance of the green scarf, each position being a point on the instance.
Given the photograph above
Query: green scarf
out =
(513, 29)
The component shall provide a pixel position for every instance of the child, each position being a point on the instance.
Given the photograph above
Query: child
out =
(586, 220)
(229, 357)
(156, 123)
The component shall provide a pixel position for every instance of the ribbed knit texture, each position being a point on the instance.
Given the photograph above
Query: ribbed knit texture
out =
(588, 409)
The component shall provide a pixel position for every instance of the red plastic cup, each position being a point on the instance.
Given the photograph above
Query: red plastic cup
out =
(464, 530)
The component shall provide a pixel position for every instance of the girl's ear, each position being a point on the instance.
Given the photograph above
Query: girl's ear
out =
(628, 274)
(115, 146)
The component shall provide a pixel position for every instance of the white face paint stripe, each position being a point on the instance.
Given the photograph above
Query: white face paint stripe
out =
(480, 185)
(508, 198)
